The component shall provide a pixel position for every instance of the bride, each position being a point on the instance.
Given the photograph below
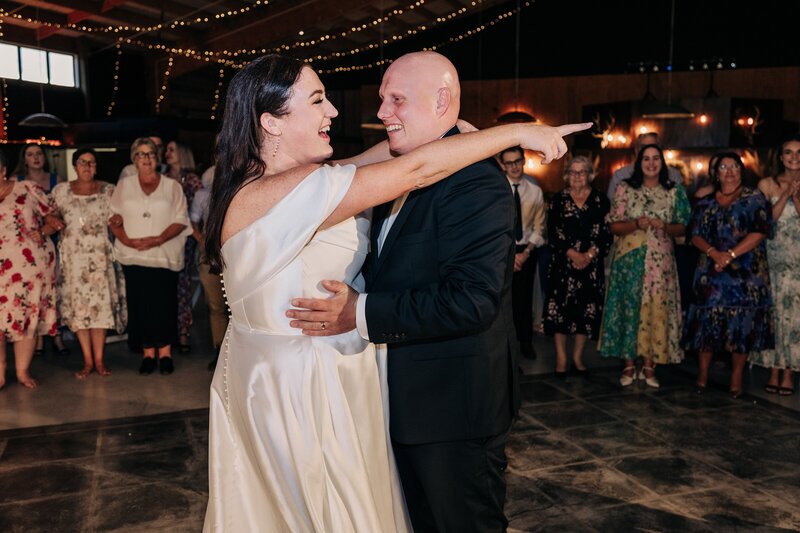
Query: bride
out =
(298, 425)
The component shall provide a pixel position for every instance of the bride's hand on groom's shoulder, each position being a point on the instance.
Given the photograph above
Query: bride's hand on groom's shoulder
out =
(329, 316)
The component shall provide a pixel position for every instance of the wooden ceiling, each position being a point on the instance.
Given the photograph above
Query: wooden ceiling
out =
(202, 33)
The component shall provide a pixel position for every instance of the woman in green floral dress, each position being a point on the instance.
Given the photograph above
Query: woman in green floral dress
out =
(642, 312)
(783, 255)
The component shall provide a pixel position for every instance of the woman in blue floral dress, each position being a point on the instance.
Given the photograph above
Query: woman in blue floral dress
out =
(733, 305)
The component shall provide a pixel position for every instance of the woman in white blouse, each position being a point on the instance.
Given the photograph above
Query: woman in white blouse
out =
(151, 230)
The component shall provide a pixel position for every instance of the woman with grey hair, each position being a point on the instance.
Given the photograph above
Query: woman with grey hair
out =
(181, 168)
(579, 239)
(151, 229)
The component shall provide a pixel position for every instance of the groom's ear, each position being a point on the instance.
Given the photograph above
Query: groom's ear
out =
(270, 123)
(443, 98)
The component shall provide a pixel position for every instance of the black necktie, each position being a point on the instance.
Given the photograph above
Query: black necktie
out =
(518, 207)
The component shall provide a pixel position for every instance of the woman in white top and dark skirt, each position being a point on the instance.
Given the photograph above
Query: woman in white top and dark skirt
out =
(151, 230)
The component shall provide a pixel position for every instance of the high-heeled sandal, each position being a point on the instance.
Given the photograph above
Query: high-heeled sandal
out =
(627, 379)
(652, 381)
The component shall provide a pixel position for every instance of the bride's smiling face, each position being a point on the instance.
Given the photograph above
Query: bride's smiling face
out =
(304, 130)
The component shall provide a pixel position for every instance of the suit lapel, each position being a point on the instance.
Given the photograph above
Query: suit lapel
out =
(402, 216)
(379, 214)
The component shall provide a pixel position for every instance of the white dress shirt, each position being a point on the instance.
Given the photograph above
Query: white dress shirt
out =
(533, 213)
(361, 303)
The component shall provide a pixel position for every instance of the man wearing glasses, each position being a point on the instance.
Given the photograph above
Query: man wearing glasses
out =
(529, 235)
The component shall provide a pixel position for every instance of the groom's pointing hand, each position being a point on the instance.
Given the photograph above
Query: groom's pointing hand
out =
(330, 316)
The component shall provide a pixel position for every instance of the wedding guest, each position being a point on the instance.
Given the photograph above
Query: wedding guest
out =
(783, 255)
(32, 166)
(212, 282)
(733, 306)
(152, 226)
(642, 311)
(529, 228)
(579, 239)
(624, 173)
(27, 272)
(161, 168)
(180, 167)
(92, 294)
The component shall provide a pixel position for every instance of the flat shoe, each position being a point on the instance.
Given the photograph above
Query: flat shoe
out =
(785, 391)
(148, 365)
(771, 389)
(736, 394)
(165, 365)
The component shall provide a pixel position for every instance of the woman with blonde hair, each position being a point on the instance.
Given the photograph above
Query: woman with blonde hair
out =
(151, 229)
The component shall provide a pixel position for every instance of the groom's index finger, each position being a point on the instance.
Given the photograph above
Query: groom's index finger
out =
(567, 129)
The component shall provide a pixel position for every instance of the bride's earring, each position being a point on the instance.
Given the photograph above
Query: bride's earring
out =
(275, 150)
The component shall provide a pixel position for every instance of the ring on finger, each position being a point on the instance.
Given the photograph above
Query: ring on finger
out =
(322, 325)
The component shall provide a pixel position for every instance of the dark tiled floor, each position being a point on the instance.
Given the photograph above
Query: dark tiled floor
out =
(584, 456)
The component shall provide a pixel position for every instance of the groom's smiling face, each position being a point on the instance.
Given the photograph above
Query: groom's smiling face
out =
(412, 108)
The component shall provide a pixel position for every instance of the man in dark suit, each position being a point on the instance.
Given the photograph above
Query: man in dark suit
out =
(438, 283)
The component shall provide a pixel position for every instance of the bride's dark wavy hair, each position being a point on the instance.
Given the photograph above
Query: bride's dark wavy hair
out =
(637, 178)
(263, 86)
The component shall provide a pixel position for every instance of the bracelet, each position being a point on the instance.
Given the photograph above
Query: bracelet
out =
(732, 253)
(708, 250)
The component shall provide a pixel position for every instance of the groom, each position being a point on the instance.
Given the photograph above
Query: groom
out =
(438, 283)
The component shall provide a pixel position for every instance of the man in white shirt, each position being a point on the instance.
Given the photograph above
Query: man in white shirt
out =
(626, 172)
(529, 235)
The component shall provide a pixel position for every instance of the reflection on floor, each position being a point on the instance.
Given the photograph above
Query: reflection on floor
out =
(584, 455)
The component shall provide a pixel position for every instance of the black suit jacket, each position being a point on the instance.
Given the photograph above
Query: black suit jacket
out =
(440, 295)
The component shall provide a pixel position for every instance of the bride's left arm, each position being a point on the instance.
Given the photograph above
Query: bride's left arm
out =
(380, 152)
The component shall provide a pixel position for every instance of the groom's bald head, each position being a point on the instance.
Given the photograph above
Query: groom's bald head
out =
(421, 99)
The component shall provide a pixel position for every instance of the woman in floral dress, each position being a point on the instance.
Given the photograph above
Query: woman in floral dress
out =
(783, 255)
(180, 161)
(732, 310)
(579, 238)
(642, 312)
(27, 272)
(92, 296)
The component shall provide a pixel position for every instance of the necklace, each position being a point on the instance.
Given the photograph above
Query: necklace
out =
(734, 191)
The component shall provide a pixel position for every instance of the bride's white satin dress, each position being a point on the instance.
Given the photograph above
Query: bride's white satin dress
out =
(298, 438)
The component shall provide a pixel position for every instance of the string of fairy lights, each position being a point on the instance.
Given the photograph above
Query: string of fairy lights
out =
(217, 93)
(172, 25)
(453, 39)
(239, 58)
(164, 82)
(229, 58)
(115, 88)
